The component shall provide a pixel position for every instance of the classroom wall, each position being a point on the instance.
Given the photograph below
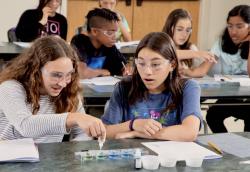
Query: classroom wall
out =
(212, 17)
(11, 10)
(213, 14)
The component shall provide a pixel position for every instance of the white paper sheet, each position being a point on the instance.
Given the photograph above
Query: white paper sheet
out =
(229, 142)
(106, 80)
(180, 150)
(19, 150)
(119, 45)
(244, 80)
(23, 44)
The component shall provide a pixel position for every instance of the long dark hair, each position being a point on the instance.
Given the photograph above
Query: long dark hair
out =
(42, 4)
(227, 44)
(161, 43)
(170, 24)
(26, 69)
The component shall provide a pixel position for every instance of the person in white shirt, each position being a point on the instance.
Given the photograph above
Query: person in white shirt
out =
(40, 95)
(232, 50)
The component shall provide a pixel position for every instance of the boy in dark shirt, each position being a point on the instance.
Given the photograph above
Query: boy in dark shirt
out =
(97, 51)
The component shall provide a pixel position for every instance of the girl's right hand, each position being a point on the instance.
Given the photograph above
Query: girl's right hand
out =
(92, 126)
(208, 56)
(46, 12)
(147, 126)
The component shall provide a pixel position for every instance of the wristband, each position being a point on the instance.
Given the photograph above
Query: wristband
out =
(131, 124)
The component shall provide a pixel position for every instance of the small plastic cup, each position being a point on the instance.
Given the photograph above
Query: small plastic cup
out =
(150, 162)
(195, 161)
(167, 161)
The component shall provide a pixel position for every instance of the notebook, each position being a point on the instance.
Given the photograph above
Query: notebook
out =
(19, 150)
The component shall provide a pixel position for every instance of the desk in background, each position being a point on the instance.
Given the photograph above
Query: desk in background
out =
(9, 50)
(207, 92)
(60, 157)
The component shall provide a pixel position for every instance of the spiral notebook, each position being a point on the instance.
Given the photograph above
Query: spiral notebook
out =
(19, 150)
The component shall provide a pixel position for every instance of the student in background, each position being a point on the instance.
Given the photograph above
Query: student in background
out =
(40, 96)
(42, 21)
(179, 27)
(232, 49)
(97, 51)
(123, 32)
(155, 103)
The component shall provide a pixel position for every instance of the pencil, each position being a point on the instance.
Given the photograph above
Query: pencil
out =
(228, 77)
(124, 65)
(215, 147)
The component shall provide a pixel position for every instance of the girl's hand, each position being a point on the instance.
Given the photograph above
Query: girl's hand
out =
(147, 126)
(92, 126)
(208, 56)
(46, 12)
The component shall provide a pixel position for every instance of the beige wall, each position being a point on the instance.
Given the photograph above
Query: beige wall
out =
(11, 10)
(213, 14)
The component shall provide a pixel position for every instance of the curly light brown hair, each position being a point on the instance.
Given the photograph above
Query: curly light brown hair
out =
(26, 69)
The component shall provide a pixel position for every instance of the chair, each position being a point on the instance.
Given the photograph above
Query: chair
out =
(12, 35)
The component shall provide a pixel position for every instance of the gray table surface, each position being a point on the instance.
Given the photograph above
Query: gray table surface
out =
(60, 157)
(9, 50)
(206, 92)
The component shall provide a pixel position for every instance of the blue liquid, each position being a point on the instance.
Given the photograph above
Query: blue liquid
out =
(114, 155)
(127, 154)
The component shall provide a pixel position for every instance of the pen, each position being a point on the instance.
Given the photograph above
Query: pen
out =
(124, 65)
(215, 147)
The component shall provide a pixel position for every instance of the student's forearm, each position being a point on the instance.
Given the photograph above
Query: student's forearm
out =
(177, 133)
(199, 71)
(113, 130)
(186, 54)
(86, 72)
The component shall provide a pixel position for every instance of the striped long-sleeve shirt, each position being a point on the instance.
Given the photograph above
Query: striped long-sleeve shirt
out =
(17, 120)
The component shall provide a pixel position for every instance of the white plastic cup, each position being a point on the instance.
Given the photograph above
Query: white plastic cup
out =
(167, 161)
(150, 162)
(194, 161)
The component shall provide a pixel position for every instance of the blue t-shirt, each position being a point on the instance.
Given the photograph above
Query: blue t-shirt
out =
(153, 107)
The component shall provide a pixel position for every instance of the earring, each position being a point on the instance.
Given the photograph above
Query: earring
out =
(170, 76)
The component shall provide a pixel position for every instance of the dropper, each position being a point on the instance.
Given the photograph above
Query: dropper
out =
(101, 141)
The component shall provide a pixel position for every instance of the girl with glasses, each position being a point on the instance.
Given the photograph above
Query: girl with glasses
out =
(154, 103)
(42, 21)
(40, 95)
(233, 51)
(179, 27)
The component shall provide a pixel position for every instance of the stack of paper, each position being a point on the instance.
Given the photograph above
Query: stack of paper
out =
(20, 150)
(120, 45)
(106, 80)
(180, 150)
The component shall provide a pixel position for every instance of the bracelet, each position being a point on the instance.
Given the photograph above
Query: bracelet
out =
(131, 124)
